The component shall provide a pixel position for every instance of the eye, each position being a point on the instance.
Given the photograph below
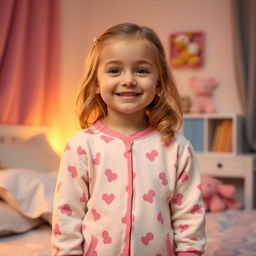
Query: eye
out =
(113, 71)
(142, 71)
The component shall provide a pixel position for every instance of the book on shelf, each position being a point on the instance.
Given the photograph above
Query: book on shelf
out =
(222, 139)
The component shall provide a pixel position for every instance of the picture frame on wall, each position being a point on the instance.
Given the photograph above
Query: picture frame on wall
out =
(187, 49)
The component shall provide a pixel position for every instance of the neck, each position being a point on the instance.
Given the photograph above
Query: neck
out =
(126, 124)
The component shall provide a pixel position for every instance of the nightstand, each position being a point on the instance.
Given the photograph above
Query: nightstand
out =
(241, 167)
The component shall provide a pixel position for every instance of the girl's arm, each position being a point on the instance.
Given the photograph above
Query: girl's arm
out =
(71, 195)
(187, 208)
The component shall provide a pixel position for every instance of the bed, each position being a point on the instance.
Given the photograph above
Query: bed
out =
(28, 172)
(28, 176)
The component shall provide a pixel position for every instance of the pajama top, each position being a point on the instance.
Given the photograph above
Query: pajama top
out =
(131, 195)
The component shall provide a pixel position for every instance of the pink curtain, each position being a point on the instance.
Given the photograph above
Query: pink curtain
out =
(29, 61)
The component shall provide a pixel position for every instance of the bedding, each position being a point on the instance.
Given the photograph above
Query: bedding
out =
(229, 233)
(35, 242)
(33, 153)
(14, 222)
(28, 191)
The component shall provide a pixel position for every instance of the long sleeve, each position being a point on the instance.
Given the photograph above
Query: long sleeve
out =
(71, 195)
(187, 208)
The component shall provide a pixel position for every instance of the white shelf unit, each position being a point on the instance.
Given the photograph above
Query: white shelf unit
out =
(201, 130)
(231, 166)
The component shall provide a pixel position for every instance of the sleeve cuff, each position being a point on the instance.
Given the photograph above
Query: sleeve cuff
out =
(189, 254)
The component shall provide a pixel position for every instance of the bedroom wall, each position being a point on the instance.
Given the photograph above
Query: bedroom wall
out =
(84, 19)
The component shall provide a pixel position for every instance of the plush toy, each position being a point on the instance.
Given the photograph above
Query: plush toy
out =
(185, 104)
(203, 90)
(218, 196)
(188, 51)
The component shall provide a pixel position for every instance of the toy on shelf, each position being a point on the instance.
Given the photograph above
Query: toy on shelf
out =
(187, 49)
(203, 91)
(185, 104)
(218, 196)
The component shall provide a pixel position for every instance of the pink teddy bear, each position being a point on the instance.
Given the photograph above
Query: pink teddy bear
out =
(218, 196)
(203, 89)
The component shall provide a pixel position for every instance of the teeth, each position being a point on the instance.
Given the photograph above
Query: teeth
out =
(128, 94)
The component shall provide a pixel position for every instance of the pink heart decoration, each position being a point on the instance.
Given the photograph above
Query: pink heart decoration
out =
(183, 227)
(168, 143)
(67, 147)
(199, 187)
(178, 199)
(83, 227)
(124, 219)
(160, 218)
(96, 215)
(56, 230)
(83, 198)
(73, 171)
(196, 209)
(96, 160)
(147, 238)
(184, 176)
(65, 209)
(88, 131)
(162, 177)
(106, 138)
(80, 151)
(110, 175)
(106, 238)
(149, 196)
(108, 198)
(152, 155)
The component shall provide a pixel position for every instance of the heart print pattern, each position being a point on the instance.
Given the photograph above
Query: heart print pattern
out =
(110, 175)
(108, 198)
(106, 238)
(152, 155)
(147, 238)
(149, 197)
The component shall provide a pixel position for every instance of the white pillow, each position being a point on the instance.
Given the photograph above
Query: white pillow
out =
(29, 192)
(34, 153)
(12, 221)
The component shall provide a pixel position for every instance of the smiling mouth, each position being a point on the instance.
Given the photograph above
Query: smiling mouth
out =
(128, 94)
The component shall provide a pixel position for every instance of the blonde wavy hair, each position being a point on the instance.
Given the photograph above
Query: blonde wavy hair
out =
(164, 112)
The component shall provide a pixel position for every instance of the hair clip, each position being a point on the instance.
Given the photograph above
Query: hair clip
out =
(95, 40)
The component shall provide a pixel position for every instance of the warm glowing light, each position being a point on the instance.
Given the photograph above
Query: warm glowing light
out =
(58, 137)
(55, 141)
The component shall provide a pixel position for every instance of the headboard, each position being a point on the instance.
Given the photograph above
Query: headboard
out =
(26, 146)
(13, 133)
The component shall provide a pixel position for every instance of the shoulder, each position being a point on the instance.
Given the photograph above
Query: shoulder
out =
(183, 144)
(83, 136)
(180, 139)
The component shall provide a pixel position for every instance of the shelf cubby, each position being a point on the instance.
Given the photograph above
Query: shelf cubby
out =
(214, 133)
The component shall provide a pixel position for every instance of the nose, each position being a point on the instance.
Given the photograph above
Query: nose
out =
(129, 80)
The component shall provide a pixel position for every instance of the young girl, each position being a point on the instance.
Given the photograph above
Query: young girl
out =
(128, 184)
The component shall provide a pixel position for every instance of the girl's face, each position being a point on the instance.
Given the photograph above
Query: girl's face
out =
(127, 76)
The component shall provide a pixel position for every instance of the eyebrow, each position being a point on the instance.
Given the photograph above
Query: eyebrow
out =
(120, 62)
